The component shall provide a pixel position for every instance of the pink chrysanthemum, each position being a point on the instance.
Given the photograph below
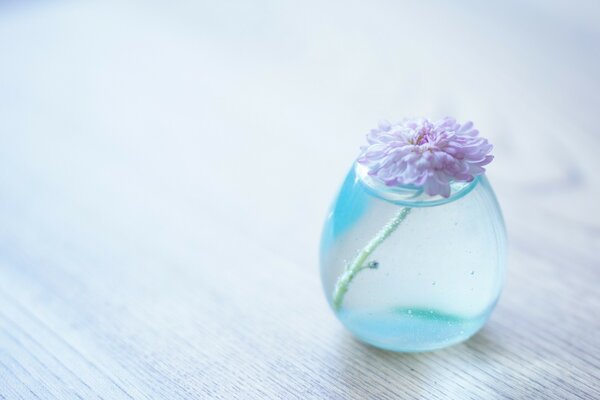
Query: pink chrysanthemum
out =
(425, 154)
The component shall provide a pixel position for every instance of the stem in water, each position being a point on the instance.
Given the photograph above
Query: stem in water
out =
(341, 286)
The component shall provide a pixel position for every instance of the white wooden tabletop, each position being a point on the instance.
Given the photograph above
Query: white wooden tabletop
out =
(165, 170)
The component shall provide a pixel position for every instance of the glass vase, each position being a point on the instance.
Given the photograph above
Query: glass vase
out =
(409, 272)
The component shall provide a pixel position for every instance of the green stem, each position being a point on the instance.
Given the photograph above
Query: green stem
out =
(341, 286)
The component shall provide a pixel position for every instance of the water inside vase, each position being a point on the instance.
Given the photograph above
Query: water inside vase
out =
(411, 329)
(432, 282)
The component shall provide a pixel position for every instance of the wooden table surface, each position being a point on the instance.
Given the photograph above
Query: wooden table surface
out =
(165, 171)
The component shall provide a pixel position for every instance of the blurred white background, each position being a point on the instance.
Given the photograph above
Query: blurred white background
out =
(262, 106)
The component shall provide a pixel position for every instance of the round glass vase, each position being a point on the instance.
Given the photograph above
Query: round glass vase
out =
(409, 272)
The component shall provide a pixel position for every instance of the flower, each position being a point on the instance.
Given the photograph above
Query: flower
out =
(425, 154)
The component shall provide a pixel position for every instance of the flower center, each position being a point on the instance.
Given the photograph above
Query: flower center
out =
(421, 138)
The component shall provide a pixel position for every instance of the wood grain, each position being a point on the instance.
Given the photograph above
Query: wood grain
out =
(165, 171)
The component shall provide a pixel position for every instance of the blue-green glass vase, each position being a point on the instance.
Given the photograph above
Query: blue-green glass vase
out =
(409, 272)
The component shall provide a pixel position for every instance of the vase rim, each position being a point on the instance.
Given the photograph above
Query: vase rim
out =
(409, 195)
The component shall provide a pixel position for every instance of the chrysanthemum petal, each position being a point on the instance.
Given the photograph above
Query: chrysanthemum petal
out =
(425, 153)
